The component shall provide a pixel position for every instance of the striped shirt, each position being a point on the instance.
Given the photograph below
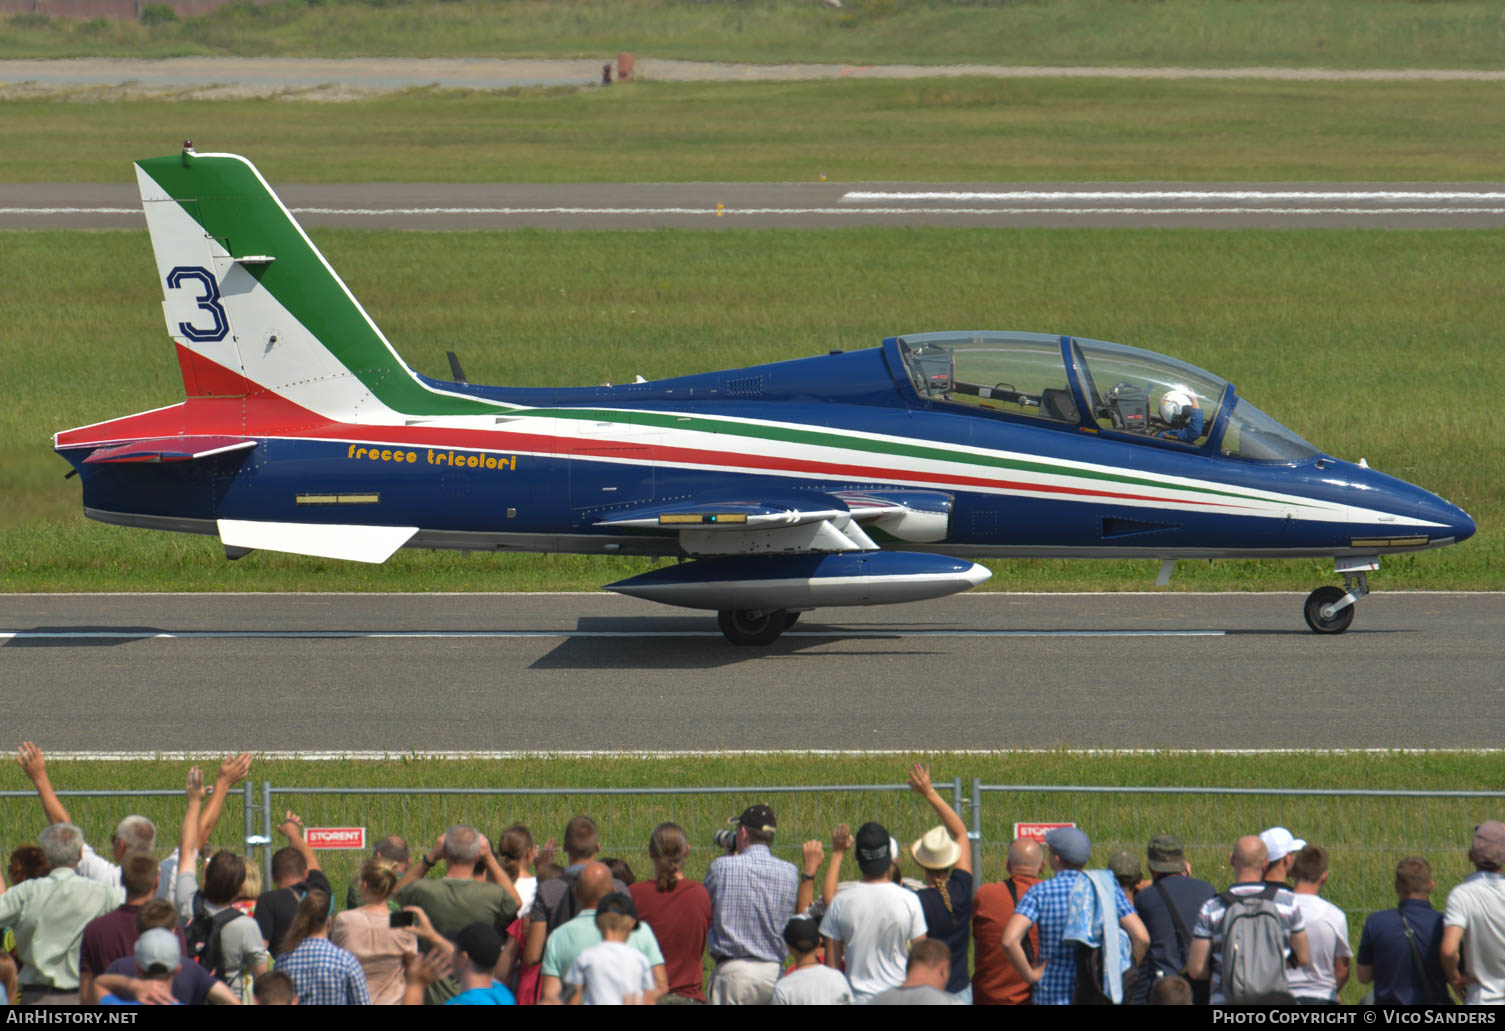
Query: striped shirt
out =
(752, 898)
(1210, 925)
(325, 974)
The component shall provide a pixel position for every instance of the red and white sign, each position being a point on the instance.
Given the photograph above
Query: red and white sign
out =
(335, 837)
(1037, 831)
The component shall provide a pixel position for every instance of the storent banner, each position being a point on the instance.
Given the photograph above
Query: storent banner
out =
(336, 837)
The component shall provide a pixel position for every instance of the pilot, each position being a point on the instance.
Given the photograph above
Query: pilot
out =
(1180, 411)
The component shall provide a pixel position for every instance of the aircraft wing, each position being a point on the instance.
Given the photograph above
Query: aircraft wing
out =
(169, 449)
(795, 523)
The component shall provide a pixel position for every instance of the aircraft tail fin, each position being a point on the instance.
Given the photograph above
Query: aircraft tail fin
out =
(254, 307)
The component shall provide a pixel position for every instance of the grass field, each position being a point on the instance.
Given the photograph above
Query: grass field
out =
(922, 130)
(1366, 836)
(1381, 345)
(1328, 33)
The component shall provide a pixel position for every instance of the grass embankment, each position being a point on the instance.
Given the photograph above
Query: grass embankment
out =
(1382, 345)
(955, 130)
(1328, 33)
(1366, 836)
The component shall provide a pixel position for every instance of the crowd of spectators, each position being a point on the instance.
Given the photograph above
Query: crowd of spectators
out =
(505, 924)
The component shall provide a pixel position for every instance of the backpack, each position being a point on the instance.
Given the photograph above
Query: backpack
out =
(567, 906)
(1089, 979)
(202, 935)
(1254, 938)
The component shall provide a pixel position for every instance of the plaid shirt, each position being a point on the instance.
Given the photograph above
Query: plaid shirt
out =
(1046, 905)
(325, 974)
(752, 898)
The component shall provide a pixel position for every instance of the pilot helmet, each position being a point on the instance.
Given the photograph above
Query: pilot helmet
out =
(1175, 406)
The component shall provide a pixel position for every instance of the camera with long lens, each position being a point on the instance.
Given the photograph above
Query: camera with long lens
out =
(726, 839)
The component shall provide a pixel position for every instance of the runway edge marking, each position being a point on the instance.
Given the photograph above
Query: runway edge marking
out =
(388, 756)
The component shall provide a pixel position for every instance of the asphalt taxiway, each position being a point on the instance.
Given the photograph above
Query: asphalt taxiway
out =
(493, 672)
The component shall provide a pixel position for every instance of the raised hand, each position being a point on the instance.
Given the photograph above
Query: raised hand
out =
(841, 838)
(195, 787)
(291, 826)
(814, 855)
(919, 779)
(234, 769)
(33, 763)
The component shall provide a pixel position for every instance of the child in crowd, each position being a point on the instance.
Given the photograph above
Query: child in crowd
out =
(612, 973)
(809, 982)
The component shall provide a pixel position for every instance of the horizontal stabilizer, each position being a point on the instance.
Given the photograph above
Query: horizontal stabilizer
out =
(169, 449)
(323, 540)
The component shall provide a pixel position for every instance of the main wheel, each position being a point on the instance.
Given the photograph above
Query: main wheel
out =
(753, 626)
(1320, 599)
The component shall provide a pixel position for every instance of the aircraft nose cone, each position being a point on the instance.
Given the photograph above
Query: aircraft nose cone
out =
(1460, 525)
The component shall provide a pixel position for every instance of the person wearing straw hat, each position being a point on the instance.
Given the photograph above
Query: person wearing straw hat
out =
(945, 854)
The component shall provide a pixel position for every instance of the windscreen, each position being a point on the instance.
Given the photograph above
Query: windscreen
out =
(1254, 435)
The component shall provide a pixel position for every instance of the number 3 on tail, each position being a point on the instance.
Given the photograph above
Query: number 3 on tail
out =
(208, 301)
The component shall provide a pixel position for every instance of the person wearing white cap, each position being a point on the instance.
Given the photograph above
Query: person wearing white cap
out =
(945, 854)
(1281, 846)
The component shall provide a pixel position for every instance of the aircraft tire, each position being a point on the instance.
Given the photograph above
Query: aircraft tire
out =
(752, 628)
(1315, 602)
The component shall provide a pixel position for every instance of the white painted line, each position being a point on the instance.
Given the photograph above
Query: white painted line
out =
(346, 635)
(381, 756)
(71, 211)
(847, 212)
(863, 196)
(597, 594)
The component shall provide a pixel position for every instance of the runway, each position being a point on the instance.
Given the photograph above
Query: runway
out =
(493, 672)
(341, 78)
(468, 206)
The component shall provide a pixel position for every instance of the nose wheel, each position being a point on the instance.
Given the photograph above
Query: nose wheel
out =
(1329, 610)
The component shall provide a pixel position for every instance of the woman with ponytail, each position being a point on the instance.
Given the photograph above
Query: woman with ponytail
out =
(678, 910)
(945, 856)
(366, 932)
(323, 973)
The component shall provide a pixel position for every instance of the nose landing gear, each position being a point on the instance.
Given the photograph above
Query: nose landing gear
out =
(1329, 610)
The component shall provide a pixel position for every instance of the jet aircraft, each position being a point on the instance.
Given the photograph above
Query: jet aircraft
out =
(852, 478)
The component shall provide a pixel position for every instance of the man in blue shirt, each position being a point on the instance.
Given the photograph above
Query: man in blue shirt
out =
(1169, 908)
(752, 898)
(1046, 905)
(1404, 976)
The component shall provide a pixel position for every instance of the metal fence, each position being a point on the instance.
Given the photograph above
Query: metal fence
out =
(1365, 831)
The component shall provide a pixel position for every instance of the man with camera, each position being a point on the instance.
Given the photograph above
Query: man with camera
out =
(752, 898)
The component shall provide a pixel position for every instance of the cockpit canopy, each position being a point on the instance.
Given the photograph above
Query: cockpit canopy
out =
(1121, 391)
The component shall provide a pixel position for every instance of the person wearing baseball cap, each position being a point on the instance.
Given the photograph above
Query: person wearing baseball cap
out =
(1473, 924)
(1281, 846)
(478, 947)
(945, 854)
(1169, 908)
(752, 897)
(156, 972)
(870, 925)
(1046, 906)
(809, 982)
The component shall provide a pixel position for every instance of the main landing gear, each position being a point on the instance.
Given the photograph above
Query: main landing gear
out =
(1329, 610)
(755, 626)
